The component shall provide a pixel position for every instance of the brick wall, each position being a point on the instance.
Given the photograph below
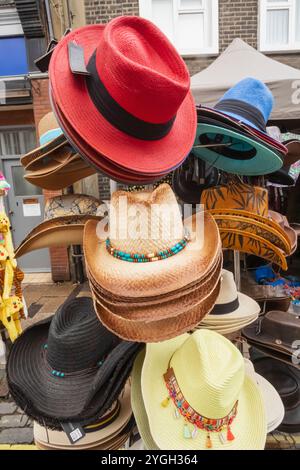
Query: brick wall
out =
(102, 11)
(41, 106)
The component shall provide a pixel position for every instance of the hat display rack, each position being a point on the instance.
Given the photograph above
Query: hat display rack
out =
(162, 308)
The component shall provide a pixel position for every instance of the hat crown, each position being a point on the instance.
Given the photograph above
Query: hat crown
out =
(77, 340)
(210, 372)
(253, 92)
(48, 129)
(71, 204)
(145, 222)
(141, 69)
(228, 291)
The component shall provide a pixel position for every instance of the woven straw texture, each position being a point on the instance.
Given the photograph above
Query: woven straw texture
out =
(160, 330)
(218, 380)
(168, 308)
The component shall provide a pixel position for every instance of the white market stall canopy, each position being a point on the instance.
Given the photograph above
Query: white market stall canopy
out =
(239, 61)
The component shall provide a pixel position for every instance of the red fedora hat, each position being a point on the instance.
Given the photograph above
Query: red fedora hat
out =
(133, 106)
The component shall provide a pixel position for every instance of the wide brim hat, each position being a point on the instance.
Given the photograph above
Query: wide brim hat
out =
(247, 307)
(167, 306)
(60, 178)
(113, 429)
(248, 427)
(59, 143)
(159, 277)
(216, 117)
(282, 221)
(258, 158)
(228, 329)
(285, 379)
(273, 403)
(281, 177)
(160, 330)
(81, 398)
(61, 231)
(98, 162)
(71, 96)
(137, 403)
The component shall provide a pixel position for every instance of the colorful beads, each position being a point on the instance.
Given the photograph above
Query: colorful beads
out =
(56, 373)
(146, 258)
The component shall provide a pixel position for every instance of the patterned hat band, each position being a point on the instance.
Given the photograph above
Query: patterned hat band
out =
(192, 417)
(148, 257)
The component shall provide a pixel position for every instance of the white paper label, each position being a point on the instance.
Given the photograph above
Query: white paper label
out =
(32, 210)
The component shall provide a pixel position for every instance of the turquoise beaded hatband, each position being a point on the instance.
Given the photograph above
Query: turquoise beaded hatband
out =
(147, 258)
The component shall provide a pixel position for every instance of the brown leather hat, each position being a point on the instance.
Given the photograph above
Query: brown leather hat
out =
(277, 332)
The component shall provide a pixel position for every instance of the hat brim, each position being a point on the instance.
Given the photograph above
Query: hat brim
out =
(293, 155)
(254, 245)
(44, 150)
(50, 400)
(61, 231)
(218, 118)
(281, 177)
(92, 439)
(248, 427)
(71, 95)
(157, 278)
(264, 161)
(167, 308)
(160, 330)
(247, 308)
(98, 161)
(137, 403)
(228, 329)
(60, 178)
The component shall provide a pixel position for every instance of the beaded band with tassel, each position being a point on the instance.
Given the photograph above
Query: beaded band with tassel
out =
(147, 258)
(184, 409)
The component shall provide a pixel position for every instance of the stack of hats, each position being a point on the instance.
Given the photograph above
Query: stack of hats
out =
(54, 165)
(108, 89)
(286, 380)
(233, 310)
(69, 373)
(274, 341)
(65, 218)
(241, 212)
(233, 136)
(152, 277)
(111, 432)
(196, 392)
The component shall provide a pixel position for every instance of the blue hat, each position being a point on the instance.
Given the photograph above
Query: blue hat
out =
(234, 149)
(249, 101)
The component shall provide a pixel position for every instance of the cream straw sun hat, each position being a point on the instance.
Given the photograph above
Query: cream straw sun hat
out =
(208, 372)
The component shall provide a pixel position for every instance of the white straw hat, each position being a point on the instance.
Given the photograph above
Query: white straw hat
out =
(231, 306)
(204, 374)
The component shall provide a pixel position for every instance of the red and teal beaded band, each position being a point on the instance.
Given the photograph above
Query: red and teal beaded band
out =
(147, 258)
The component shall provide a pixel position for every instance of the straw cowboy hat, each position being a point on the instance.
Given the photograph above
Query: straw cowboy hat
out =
(146, 131)
(109, 428)
(241, 212)
(139, 281)
(233, 310)
(54, 165)
(65, 218)
(276, 334)
(220, 408)
(69, 368)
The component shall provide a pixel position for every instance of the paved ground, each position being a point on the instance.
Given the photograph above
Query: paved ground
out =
(42, 301)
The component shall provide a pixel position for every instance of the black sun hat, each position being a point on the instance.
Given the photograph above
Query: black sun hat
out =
(69, 368)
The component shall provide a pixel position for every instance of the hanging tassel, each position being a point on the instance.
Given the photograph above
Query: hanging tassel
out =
(165, 402)
(208, 444)
(222, 437)
(194, 432)
(186, 432)
(230, 436)
(176, 414)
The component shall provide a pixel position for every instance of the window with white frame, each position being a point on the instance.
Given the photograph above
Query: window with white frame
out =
(191, 25)
(279, 25)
